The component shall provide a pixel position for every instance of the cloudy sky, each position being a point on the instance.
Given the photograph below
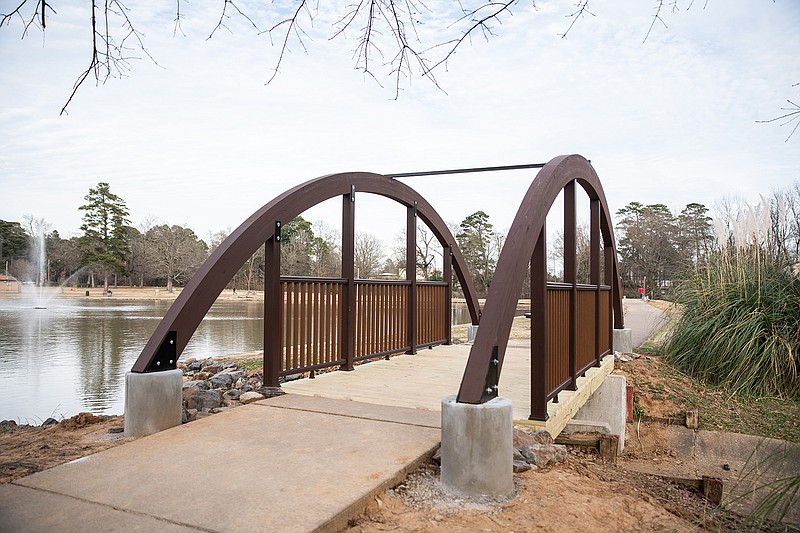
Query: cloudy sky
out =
(201, 139)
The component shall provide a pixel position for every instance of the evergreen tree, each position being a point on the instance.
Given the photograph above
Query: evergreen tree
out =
(696, 232)
(14, 244)
(105, 231)
(648, 246)
(480, 245)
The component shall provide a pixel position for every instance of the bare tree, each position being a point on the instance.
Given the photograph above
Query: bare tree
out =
(139, 262)
(325, 252)
(428, 252)
(582, 252)
(176, 252)
(368, 256)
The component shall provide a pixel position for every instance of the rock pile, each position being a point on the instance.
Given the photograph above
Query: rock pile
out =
(535, 450)
(532, 449)
(212, 386)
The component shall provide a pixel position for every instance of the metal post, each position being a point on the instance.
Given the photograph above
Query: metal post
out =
(594, 265)
(608, 274)
(411, 275)
(273, 302)
(447, 274)
(570, 276)
(539, 326)
(348, 273)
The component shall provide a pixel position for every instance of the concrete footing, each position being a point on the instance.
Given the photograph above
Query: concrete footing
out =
(608, 405)
(477, 448)
(622, 341)
(472, 332)
(587, 426)
(152, 402)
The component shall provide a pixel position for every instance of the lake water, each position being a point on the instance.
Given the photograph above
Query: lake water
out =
(72, 356)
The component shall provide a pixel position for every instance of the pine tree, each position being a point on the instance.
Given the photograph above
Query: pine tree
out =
(105, 231)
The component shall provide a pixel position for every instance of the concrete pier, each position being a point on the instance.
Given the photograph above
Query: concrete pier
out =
(477, 448)
(152, 402)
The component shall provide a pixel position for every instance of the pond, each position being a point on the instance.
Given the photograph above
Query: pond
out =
(72, 355)
(66, 355)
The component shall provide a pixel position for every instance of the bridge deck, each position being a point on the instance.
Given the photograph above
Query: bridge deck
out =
(421, 381)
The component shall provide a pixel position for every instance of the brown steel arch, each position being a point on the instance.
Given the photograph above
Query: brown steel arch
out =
(180, 322)
(526, 244)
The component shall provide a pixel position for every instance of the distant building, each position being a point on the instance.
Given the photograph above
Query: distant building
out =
(9, 283)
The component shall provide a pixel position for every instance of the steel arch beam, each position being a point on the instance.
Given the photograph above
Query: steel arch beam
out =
(183, 317)
(512, 266)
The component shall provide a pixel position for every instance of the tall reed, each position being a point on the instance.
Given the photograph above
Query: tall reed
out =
(740, 325)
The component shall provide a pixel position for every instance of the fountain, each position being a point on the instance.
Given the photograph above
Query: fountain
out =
(41, 257)
(37, 271)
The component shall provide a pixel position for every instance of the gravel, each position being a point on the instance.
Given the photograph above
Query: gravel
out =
(423, 488)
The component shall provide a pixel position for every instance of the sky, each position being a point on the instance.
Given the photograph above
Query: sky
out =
(201, 139)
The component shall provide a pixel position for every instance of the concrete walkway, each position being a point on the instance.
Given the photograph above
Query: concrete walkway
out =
(421, 381)
(643, 319)
(290, 463)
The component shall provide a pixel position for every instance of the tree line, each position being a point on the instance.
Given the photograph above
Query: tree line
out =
(656, 247)
(112, 252)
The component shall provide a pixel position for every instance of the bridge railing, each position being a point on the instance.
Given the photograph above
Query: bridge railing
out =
(432, 328)
(310, 324)
(312, 335)
(592, 343)
(381, 318)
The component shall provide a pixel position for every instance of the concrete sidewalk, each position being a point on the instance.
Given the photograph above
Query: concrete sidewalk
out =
(290, 463)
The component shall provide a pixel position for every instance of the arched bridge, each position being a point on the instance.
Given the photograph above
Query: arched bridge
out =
(314, 323)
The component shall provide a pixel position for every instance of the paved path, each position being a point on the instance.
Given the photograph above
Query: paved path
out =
(290, 463)
(643, 319)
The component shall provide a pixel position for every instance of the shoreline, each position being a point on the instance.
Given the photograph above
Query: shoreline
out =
(124, 293)
(158, 293)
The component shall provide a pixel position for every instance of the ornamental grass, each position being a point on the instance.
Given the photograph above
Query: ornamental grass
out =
(740, 324)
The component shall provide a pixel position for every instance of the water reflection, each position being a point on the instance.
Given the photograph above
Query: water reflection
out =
(73, 356)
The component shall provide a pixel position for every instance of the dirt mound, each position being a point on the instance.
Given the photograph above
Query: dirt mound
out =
(81, 420)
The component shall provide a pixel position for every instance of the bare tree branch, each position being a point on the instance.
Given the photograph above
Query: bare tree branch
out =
(478, 21)
(36, 18)
(656, 18)
(110, 58)
(387, 33)
(792, 115)
(292, 27)
(582, 9)
(224, 15)
(177, 20)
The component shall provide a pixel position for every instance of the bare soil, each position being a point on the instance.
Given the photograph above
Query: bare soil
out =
(582, 494)
(25, 450)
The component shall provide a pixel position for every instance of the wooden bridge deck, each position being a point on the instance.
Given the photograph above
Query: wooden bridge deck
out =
(421, 381)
